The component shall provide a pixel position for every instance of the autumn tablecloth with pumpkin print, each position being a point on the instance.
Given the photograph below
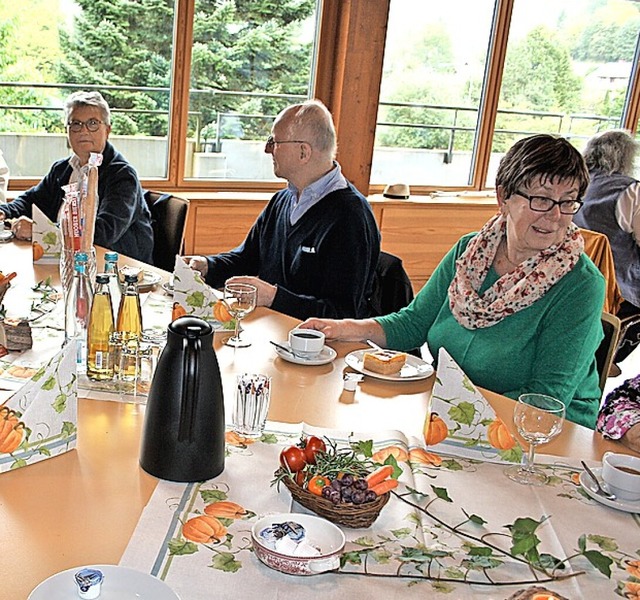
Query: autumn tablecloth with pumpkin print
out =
(457, 528)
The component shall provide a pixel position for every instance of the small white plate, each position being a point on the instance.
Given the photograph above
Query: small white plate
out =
(632, 506)
(167, 287)
(149, 279)
(119, 583)
(326, 355)
(414, 368)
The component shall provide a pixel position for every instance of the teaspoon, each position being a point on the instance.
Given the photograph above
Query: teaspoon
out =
(599, 489)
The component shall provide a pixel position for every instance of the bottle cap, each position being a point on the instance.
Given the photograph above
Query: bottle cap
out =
(102, 278)
(111, 256)
(81, 257)
(131, 278)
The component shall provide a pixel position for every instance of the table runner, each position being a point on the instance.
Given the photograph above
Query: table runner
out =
(483, 501)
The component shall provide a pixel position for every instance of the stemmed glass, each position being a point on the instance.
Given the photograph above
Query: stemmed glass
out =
(538, 419)
(240, 299)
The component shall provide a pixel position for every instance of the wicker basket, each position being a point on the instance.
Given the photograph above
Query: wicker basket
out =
(346, 514)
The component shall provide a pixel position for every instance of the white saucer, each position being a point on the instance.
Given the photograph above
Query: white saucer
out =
(414, 368)
(632, 506)
(326, 355)
(167, 287)
(119, 583)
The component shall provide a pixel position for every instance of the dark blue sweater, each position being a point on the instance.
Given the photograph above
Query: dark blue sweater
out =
(123, 222)
(323, 265)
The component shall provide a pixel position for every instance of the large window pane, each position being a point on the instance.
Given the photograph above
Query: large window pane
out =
(250, 60)
(49, 49)
(567, 70)
(430, 95)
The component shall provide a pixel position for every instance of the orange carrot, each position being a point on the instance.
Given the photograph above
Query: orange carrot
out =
(379, 475)
(386, 486)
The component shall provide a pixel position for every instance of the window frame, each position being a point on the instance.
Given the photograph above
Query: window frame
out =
(350, 53)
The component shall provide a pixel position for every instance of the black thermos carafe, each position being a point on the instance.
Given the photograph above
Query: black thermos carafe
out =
(183, 432)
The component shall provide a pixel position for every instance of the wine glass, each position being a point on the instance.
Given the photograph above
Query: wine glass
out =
(240, 299)
(538, 419)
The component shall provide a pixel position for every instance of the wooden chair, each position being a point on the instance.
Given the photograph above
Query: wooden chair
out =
(169, 220)
(607, 349)
(598, 249)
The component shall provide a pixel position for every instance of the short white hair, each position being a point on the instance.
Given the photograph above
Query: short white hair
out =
(86, 99)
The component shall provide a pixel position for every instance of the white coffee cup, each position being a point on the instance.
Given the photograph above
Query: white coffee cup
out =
(621, 473)
(306, 342)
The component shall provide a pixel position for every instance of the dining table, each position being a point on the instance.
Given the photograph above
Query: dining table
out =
(83, 506)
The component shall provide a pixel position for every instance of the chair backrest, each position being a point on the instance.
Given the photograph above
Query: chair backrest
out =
(607, 349)
(169, 220)
(392, 288)
(598, 249)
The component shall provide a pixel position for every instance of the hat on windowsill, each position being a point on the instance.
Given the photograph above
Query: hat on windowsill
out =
(397, 191)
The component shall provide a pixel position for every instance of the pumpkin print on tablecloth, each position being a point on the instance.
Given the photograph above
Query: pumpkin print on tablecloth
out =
(499, 436)
(11, 430)
(204, 529)
(435, 430)
(221, 312)
(37, 250)
(225, 510)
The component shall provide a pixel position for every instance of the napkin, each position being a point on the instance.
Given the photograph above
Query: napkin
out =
(40, 419)
(193, 297)
(472, 427)
(47, 242)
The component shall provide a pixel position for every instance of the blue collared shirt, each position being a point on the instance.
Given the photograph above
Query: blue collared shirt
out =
(312, 194)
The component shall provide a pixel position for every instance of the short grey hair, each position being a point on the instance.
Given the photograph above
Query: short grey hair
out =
(611, 151)
(87, 99)
(313, 120)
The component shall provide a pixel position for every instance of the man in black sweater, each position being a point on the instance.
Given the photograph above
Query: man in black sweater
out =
(313, 251)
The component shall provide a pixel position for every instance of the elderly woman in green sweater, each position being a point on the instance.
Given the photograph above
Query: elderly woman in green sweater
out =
(518, 304)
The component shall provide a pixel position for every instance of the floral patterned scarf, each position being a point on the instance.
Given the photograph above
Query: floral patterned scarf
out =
(513, 291)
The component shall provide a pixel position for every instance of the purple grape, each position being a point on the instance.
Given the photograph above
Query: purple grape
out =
(360, 484)
(370, 496)
(347, 480)
(336, 484)
(358, 497)
(326, 491)
(334, 496)
(347, 493)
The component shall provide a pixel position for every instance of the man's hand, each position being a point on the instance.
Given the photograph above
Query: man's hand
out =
(21, 228)
(197, 263)
(266, 291)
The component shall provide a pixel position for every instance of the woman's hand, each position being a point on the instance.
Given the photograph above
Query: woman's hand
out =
(197, 263)
(631, 439)
(348, 330)
(21, 228)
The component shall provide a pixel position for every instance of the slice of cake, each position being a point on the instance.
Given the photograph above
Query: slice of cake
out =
(385, 362)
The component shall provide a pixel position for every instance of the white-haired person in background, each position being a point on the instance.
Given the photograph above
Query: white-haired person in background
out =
(612, 206)
(123, 221)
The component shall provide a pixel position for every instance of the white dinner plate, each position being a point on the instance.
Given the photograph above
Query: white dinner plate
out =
(632, 506)
(414, 368)
(119, 583)
(326, 355)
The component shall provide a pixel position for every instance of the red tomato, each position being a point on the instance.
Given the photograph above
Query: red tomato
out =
(292, 458)
(317, 483)
(312, 446)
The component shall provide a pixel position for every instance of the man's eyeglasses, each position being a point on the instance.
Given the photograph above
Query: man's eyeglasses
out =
(544, 204)
(91, 125)
(271, 143)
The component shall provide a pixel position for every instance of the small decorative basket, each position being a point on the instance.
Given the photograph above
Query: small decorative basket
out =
(355, 516)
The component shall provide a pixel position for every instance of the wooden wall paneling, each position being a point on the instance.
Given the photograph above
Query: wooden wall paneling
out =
(220, 226)
(422, 235)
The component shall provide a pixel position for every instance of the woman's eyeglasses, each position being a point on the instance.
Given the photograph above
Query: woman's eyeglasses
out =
(544, 204)
(92, 125)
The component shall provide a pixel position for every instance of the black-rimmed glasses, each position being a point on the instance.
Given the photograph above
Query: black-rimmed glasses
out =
(92, 125)
(271, 143)
(544, 204)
